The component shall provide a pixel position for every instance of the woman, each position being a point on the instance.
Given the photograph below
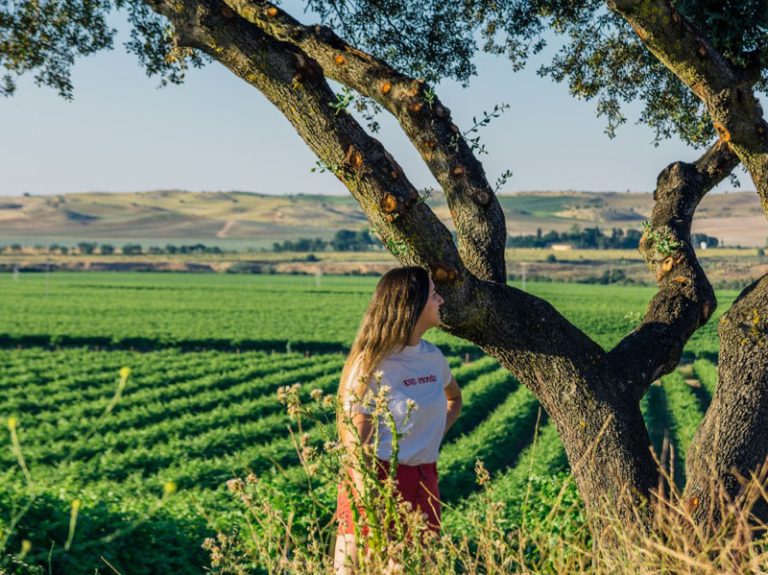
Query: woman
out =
(423, 397)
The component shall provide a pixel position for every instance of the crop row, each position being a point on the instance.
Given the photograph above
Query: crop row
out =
(706, 371)
(211, 457)
(685, 413)
(187, 381)
(656, 415)
(225, 428)
(255, 420)
(480, 397)
(163, 403)
(62, 422)
(61, 385)
(542, 457)
(160, 389)
(197, 409)
(497, 441)
(156, 310)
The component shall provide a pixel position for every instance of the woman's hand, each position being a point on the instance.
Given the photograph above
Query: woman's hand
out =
(453, 395)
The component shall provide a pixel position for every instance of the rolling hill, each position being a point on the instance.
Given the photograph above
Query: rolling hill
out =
(242, 219)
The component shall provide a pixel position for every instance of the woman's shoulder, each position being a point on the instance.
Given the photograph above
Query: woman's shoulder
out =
(429, 347)
(424, 350)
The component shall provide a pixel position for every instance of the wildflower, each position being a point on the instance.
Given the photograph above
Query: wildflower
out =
(26, 547)
(410, 405)
(308, 453)
(169, 488)
(316, 394)
(328, 401)
(235, 485)
(330, 446)
(381, 401)
(378, 375)
(125, 372)
(251, 478)
(13, 423)
(208, 543)
(481, 473)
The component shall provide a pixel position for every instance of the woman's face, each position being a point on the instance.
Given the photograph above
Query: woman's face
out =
(430, 315)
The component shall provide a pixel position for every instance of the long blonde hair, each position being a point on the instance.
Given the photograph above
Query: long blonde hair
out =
(387, 325)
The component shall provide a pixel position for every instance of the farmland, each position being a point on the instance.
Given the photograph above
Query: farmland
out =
(147, 455)
(241, 221)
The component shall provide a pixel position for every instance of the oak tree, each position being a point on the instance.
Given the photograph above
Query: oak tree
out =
(697, 68)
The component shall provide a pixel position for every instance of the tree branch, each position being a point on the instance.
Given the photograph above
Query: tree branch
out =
(602, 428)
(685, 300)
(479, 219)
(295, 84)
(735, 112)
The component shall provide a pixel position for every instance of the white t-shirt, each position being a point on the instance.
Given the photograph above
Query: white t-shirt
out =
(421, 373)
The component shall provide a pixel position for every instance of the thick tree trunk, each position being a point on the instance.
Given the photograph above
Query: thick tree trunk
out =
(601, 426)
(731, 445)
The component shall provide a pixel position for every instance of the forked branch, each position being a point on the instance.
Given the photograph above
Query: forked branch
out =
(565, 369)
(476, 212)
(685, 300)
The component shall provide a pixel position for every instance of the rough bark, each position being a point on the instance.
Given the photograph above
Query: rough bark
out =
(730, 444)
(601, 427)
(477, 215)
(295, 84)
(726, 91)
(685, 299)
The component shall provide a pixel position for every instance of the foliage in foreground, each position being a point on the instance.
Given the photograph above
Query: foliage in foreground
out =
(545, 533)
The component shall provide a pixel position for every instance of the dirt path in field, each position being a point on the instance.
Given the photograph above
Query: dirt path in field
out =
(222, 233)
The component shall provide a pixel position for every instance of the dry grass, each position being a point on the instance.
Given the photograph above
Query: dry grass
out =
(673, 544)
(658, 536)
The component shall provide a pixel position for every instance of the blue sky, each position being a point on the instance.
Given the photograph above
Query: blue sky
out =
(215, 132)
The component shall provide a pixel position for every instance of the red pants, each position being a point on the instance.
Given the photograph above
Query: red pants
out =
(416, 483)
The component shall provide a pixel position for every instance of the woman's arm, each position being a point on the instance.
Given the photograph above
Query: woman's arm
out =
(453, 395)
(363, 424)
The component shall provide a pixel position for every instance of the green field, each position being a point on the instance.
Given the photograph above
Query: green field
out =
(207, 354)
(264, 312)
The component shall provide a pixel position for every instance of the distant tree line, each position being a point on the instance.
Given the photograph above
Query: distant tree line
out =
(93, 248)
(361, 240)
(343, 241)
(593, 238)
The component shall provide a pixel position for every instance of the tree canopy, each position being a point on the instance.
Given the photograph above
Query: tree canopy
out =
(593, 49)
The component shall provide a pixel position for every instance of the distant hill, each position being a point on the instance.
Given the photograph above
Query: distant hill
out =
(241, 219)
